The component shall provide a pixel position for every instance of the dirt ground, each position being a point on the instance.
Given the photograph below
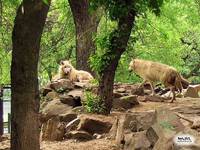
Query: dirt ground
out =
(101, 144)
(105, 144)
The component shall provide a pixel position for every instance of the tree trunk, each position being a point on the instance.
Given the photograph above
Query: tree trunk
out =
(26, 36)
(86, 24)
(119, 44)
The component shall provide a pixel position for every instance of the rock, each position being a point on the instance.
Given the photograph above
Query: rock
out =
(94, 125)
(54, 108)
(53, 130)
(97, 136)
(137, 90)
(117, 95)
(79, 135)
(141, 141)
(72, 125)
(67, 117)
(151, 98)
(137, 141)
(45, 90)
(66, 99)
(121, 90)
(113, 130)
(76, 93)
(166, 125)
(125, 102)
(120, 132)
(191, 92)
(51, 95)
(196, 123)
(80, 84)
(145, 120)
(62, 85)
(78, 109)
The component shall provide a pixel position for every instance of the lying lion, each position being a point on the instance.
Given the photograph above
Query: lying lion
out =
(67, 71)
(152, 72)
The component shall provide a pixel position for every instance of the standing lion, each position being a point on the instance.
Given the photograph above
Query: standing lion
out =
(153, 71)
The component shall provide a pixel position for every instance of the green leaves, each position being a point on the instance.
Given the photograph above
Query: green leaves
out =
(46, 2)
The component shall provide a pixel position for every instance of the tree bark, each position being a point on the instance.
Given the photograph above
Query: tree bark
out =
(119, 44)
(86, 24)
(26, 36)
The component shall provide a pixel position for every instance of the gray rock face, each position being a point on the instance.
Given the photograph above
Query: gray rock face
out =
(53, 130)
(79, 135)
(125, 102)
(54, 108)
(62, 85)
(94, 125)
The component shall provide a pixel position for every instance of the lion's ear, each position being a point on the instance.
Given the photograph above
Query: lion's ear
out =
(61, 62)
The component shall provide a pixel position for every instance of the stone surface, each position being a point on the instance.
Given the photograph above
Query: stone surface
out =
(54, 108)
(45, 90)
(125, 102)
(62, 85)
(137, 141)
(137, 90)
(76, 93)
(51, 95)
(79, 135)
(94, 125)
(53, 130)
(66, 99)
(151, 98)
(191, 92)
(67, 117)
(166, 125)
(72, 125)
(121, 90)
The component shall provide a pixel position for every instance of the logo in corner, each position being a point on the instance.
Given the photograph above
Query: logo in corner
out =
(184, 139)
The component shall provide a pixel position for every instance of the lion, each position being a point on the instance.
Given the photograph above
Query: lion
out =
(153, 71)
(67, 71)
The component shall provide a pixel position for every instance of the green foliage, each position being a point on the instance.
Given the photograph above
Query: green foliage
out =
(46, 2)
(108, 43)
(153, 38)
(92, 103)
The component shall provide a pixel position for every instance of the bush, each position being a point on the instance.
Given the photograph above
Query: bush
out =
(92, 103)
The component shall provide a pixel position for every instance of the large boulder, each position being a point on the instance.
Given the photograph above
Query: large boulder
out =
(166, 126)
(45, 90)
(53, 130)
(125, 102)
(76, 93)
(54, 108)
(137, 141)
(69, 100)
(51, 95)
(191, 91)
(137, 90)
(79, 135)
(95, 124)
(62, 85)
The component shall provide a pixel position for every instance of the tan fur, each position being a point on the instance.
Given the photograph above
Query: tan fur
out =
(67, 71)
(153, 71)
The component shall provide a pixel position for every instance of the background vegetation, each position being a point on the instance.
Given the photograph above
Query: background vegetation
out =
(172, 38)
